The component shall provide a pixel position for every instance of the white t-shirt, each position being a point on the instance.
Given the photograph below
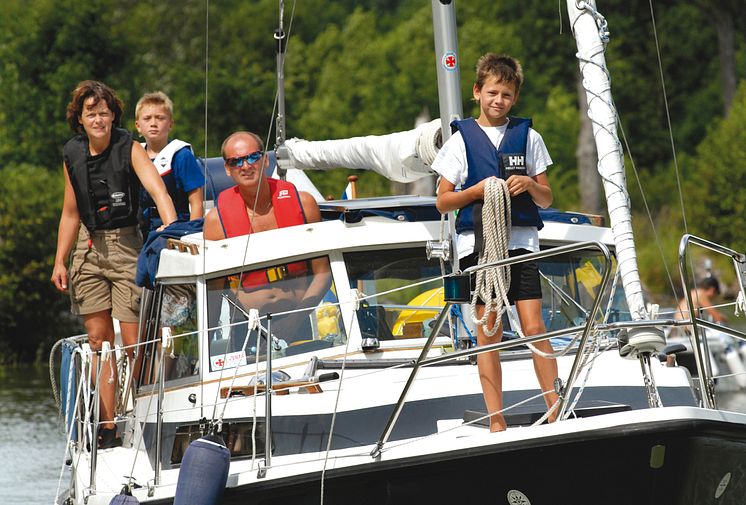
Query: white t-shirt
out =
(450, 163)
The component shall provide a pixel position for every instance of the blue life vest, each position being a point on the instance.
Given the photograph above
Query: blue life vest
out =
(483, 161)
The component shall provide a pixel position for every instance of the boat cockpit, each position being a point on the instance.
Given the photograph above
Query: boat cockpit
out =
(381, 287)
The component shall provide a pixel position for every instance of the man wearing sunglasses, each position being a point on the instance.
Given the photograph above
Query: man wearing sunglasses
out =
(259, 203)
(256, 203)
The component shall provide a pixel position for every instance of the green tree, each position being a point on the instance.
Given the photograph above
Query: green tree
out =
(558, 124)
(688, 66)
(382, 96)
(46, 47)
(717, 187)
(32, 312)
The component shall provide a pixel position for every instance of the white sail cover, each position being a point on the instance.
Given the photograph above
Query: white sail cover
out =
(402, 156)
(583, 20)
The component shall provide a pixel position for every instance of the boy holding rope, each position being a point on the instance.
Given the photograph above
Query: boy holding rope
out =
(499, 162)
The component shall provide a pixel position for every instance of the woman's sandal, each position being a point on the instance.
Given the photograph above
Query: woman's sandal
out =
(108, 439)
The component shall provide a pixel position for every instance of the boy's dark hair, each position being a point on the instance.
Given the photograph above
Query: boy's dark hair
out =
(99, 91)
(504, 68)
(710, 282)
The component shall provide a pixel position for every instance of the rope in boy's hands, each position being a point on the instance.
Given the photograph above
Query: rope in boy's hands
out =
(492, 284)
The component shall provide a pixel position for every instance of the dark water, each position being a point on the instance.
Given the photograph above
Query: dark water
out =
(32, 439)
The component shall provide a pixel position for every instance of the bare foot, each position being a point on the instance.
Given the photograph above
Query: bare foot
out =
(497, 423)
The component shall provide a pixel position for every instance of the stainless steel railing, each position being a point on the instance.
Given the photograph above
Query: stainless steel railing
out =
(699, 343)
(586, 329)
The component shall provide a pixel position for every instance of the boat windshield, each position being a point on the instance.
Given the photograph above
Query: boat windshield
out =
(393, 307)
(175, 314)
(569, 284)
(301, 298)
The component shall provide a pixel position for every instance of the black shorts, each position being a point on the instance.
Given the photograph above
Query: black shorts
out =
(524, 277)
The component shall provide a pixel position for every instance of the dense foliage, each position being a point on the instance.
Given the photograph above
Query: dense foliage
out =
(31, 312)
(356, 67)
(719, 193)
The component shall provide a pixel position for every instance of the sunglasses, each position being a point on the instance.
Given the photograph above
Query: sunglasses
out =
(249, 158)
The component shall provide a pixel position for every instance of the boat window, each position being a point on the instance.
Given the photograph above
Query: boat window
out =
(406, 312)
(569, 285)
(177, 313)
(301, 298)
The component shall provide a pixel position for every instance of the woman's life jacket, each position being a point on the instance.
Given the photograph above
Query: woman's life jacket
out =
(484, 161)
(288, 211)
(106, 187)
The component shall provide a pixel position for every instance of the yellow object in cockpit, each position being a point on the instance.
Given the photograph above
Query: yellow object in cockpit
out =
(589, 277)
(417, 316)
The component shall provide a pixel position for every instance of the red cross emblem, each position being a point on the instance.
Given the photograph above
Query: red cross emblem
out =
(219, 362)
(449, 60)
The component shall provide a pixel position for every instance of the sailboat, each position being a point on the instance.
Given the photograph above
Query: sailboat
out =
(371, 396)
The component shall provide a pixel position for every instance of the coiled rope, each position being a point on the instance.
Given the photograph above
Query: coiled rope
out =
(492, 283)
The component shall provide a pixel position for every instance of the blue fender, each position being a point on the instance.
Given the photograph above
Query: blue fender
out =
(124, 498)
(203, 473)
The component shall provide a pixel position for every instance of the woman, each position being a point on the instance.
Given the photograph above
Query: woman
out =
(104, 169)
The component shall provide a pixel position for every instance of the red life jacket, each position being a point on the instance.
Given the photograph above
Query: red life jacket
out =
(288, 211)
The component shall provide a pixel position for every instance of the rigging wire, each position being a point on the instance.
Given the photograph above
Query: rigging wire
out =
(253, 321)
(131, 477)
(256, 197)
(668, 116)
(676, 166)
(673, 151)
(207, 78)
(206, 172)
(610, 156)
(658, 243)
(336, 408)
(69, 426)
(269, 130)
(612, 107)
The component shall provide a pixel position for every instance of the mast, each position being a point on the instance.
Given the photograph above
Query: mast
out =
(449, 89)
(446, 63)
(591, 36)
(280, 124)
